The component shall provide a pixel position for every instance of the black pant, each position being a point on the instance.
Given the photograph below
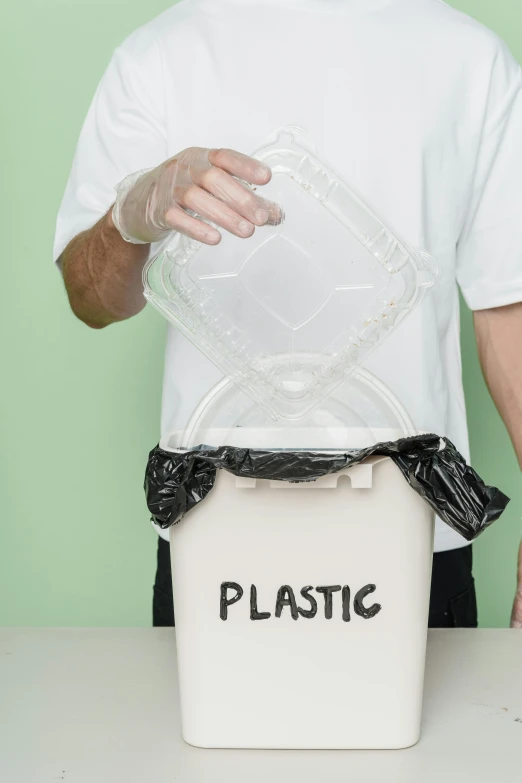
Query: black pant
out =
(453, 602)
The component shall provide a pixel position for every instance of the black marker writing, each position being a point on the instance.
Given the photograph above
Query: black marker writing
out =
(225, 602)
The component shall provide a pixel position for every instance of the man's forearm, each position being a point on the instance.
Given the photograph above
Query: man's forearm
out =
(499, 334)
(499, 338)
(102, 275)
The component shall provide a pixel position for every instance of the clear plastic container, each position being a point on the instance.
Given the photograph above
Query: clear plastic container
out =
(360, 414)
(293, 311)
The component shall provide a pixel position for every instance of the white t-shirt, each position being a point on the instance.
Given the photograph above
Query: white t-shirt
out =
(416, 105)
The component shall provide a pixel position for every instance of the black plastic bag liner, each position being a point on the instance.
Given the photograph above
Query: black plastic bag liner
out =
(176, 481)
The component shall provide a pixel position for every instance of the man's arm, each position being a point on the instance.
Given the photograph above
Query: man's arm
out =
(102, 275)
(102, 271)
(499, 340)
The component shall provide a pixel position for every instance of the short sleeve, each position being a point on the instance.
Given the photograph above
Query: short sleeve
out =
(124, 131)
(489, 252)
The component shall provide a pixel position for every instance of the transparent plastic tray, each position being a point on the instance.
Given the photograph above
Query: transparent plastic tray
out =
(291, 312)
(360, 414)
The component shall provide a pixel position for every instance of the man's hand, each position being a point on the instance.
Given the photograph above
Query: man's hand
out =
(102, 272)
(516, 614)
(197, 181)
(499, 333)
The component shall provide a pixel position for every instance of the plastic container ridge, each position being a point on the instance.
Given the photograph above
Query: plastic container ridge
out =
(290, 313)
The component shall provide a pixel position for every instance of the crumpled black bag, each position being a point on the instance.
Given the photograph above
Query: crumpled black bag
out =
(432, 466)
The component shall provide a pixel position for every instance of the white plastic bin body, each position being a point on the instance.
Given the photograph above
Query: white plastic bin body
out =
(311, 682)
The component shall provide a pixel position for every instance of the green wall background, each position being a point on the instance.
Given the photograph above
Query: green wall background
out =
(80, 408)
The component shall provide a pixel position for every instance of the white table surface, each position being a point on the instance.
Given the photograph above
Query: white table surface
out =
(90, 705)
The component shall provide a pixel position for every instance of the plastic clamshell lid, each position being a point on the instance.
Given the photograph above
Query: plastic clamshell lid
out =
(361, 413)
(293, 311)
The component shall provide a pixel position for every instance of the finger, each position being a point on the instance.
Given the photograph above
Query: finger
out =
(237, 196)
(242, 166)
(207, 206)
(179, 220)
(275, 214)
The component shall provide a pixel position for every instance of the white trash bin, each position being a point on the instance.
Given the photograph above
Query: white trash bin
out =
(348, 672)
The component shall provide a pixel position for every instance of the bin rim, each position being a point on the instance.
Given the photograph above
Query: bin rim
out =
(283, 439)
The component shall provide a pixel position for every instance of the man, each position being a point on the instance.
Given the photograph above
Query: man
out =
(417, 106)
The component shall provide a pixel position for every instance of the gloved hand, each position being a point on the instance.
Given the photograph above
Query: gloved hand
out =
(200, 181)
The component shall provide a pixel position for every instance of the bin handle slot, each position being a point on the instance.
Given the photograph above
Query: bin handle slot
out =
(361, 477)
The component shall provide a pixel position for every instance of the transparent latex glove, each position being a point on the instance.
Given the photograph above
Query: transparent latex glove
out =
(198, 181)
